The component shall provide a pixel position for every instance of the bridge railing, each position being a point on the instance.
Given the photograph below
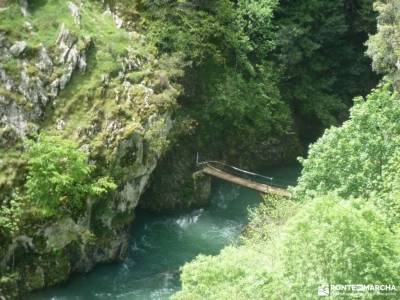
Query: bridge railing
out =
(244, 173)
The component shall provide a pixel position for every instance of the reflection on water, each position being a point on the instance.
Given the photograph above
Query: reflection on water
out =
(160, 245)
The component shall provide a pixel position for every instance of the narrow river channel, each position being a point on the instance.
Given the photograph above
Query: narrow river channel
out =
(160, 245)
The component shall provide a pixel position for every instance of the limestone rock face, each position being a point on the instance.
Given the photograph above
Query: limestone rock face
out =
(175, 184)
(117, 19)
(25, 94)
(45, 64)
(18, 48)
(74, 9)
(24, 7)
(13, 119)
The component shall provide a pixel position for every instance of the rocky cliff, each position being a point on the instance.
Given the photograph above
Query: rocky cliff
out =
(76, 69)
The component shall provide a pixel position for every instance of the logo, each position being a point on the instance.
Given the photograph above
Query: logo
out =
(323, 290)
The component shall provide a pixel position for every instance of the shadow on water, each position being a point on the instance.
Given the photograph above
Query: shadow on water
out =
(160, 245)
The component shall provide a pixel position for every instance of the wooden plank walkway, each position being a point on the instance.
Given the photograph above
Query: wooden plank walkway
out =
(262, 188)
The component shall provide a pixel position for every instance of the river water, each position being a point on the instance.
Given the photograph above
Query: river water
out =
(160, 245)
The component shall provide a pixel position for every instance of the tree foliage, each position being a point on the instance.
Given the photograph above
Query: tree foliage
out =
(60, 176)
(230, 86)
(352, 159)
(328, 241)
(336, 241)
(197, 29)
(361, 158)
(313, 48)
(10, 214)
(261, 117)
(320, 51)
(289, 250)
(383, 46)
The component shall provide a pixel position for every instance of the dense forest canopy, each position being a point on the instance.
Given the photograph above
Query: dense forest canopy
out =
(320, 49)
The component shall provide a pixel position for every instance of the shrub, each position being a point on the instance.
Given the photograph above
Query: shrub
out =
(60, 176)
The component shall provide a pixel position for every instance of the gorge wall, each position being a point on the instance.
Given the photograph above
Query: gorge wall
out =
(75, 69)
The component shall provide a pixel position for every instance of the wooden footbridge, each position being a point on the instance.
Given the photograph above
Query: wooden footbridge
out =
(220, 171)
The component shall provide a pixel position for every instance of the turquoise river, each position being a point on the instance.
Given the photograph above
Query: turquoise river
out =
(161, 244)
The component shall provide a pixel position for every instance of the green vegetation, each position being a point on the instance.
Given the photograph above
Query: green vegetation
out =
(277, 54)
(224, 46)
(60, 182)
(95, 101)
(382, 46)
(226, 94)
(352, 159)
(341, 226)
(60, 176)
(321, 54)
(10, 217)
(46, 18)
(338, 241)
(360, 158)
(238, 80)
(328, 241)
(262, 78)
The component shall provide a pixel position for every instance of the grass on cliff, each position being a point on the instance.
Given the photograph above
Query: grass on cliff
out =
(88, 99)
(109, 46)
(46, 17)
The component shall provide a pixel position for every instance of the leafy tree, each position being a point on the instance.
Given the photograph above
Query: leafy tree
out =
(352, 159)
(360, 158)
(314, 49)
(383, 46)
(230, 87)
(324, 238)
(233, 274)
(328, 241)
(256, 19)
(265, 220)
(60, 176)
(338, 242)
(389, 198)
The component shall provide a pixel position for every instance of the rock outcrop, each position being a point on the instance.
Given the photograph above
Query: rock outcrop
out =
(24, 7)
(107, 92)
(29, 85)
(18, 48)
(75, 12)
(175, 184)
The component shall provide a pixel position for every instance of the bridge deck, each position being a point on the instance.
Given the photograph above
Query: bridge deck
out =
(263, 188)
